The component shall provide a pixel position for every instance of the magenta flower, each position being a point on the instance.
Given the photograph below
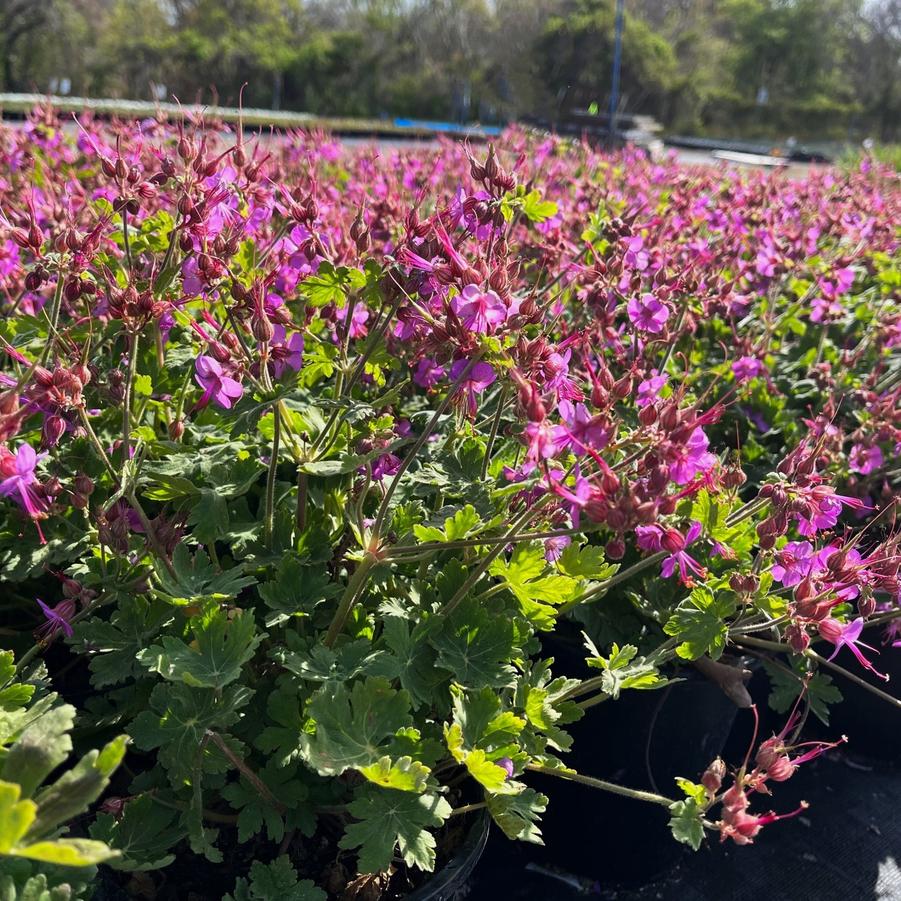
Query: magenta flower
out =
(656, 538)
(286, 354)
(865, 459)
(648, 313)
(428, 373)
(793, 563)
(649, 390)
(58, 618)
(847, 636)
(217, 386)
(825, 507)
(636, 256)
(582, 430)
(481, 311)
(19, 479)
(554, 547)
(693, 459)
(746, 368)
(480, 377)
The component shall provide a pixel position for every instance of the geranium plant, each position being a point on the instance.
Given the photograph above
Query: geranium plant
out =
(308, 450)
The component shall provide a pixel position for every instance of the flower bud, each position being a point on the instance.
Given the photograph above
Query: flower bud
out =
(615, 549)
(84, 484)
(713, 776)
(176, 429)
(53, 429)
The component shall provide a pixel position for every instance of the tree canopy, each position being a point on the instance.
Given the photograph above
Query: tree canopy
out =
(804, 67)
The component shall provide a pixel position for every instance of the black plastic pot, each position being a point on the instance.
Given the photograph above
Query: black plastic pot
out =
(872, 725)
(643, 740)
(451, 882)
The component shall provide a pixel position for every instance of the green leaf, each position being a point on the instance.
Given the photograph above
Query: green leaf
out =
(113, 644)
(12, 697)
(390, 818)
(537, 210)
(463, 523)
(178, 720)
(318, 663)
(622, 670)
(257, 813)
(331, 285)
(518, 815)
(16, 816)
(144, 834)
(221, 646)
(76, 789)
(476, 645)
(297, 590)
(481, 733)
(415, 660)
(585, 562)
(281, 739)
(67, 852)
(786, 688)
(353, 730)
(39, 750)
(700, 623)
(143, 385)
(403, 774)
(685, 823)
(276, 881)
(196, 580)
(209, 516)
(538, 594)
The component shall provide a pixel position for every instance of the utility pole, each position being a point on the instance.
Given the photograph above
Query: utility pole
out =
(617, 61)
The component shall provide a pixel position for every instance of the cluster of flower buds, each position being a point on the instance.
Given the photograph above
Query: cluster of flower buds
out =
(135, 308)
(495, 179)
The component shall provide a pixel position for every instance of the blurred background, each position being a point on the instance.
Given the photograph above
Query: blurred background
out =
(768, 69)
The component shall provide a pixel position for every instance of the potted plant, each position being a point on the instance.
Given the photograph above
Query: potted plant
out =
(303, 468)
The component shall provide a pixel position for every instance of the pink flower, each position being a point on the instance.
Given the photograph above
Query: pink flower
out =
(847, 636)
(793, 563)
(582, 430)
(648, 313)
(554, 547)
(480, 377)
(825, 507)
(649, 390)
(481, 311)
(19, 479)
(694, 458)
(428, 373)
(657, 538)
(636, 256)
(217, 386)
(57, 618)
(746, 368)
(865, 459)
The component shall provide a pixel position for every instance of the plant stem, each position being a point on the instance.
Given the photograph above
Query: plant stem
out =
(468, 808)
(612, 787)
(126, 241)
(269, 523)
(54, 318)
(884, 695)
(351, 593)
(417, 446)
(301, 514)
(495, 425)
(126, 401)
(260, 786)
